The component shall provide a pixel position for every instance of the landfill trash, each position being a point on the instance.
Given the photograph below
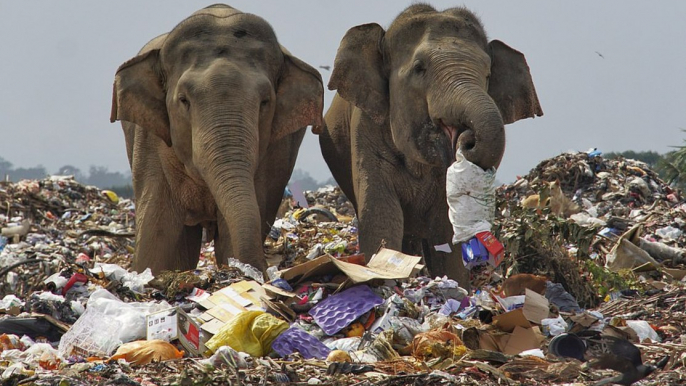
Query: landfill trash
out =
(86, 336)
(225, 355)
(643, 330)
(441, 343)
(133, 280)
(296, 340)
(247, 269)
(554, 326)
(251, 332)
(338, 356)
(563, 300)
(516, 285)
(471, 198)
(142, 352)
(131, 314)
(567, 345)
(338, 311)
(35, 327)
(73, 229)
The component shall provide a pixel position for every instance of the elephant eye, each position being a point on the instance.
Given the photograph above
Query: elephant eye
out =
(418, 67)
(184, 100)
(264, 102)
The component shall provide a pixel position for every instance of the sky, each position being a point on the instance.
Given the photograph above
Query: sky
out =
(609, 74)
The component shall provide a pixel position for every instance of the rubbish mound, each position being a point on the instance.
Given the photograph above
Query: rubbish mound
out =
(593, 262)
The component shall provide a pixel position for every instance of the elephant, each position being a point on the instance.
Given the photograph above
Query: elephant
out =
(406, 100)
(213, 115)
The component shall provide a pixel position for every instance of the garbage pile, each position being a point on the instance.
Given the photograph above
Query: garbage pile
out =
(590, 283)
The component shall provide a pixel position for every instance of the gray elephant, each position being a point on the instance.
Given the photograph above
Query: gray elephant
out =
(213, 114)
(407, 99)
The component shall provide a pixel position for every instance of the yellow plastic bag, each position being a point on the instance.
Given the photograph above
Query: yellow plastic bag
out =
(111, 195)
(251, 332)
(142, 352)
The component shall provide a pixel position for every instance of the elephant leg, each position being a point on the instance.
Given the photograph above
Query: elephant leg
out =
(380, 222)
(163, 242)
(335, 146)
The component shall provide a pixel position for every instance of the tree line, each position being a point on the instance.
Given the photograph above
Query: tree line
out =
(119, 182)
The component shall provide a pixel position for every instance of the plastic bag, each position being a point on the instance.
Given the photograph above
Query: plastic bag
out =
(247, 269)
(94, 333)
(142, 352)
(643, 330)
(131, 315)
(133, 280)
(225, 355)
(471, 198)
(251, 332)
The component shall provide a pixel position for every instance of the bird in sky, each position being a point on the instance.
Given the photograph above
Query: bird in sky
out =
(599, 54)
(327, 68)
(623, 356)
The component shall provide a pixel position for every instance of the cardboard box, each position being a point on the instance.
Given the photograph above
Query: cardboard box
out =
(230, 301)
(535, 308)
(172, 324)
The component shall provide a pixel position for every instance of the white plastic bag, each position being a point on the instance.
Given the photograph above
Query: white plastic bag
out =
(131, 315)
(471, 198)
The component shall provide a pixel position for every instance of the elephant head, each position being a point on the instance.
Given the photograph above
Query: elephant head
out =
(217, 91)
(438, 82)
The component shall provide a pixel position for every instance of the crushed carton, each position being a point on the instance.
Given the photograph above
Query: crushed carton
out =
(173, 324)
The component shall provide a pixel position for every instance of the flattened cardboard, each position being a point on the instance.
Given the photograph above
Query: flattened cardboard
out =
(319, 266)
(536, 306)
(521, 339)
(512, 319)
(385, 264)
(230, 301)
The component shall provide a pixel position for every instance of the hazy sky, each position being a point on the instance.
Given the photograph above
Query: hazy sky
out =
(59, 59)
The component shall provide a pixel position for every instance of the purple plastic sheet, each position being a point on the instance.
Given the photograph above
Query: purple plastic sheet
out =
(297, 340)
(338, 311)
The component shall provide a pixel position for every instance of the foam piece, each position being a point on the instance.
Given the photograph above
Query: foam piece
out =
(338, 311)
(297, 340)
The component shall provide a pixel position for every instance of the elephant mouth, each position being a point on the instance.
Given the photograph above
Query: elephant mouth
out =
(454, 133)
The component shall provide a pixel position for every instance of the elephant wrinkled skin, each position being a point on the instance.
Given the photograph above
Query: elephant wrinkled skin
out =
(213, 114)
(407, 99)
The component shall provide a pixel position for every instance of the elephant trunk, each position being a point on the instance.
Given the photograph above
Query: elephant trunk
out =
(462, 108)
(227, 152)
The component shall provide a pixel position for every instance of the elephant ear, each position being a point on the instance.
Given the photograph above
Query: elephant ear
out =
(299, 98)
(358, 71)
(510, 85)
(138, 96)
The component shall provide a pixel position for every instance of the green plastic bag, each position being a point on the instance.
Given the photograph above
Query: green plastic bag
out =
(251, 332)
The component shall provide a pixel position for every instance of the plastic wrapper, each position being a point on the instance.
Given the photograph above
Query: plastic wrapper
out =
(226, 356)
(93, 334)
(142, 352)
(251, 332)
(437, 343)
(247, 269)
(643, 330)
(132, 279)
(131, 315)
(554, 326)
(471, 198)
